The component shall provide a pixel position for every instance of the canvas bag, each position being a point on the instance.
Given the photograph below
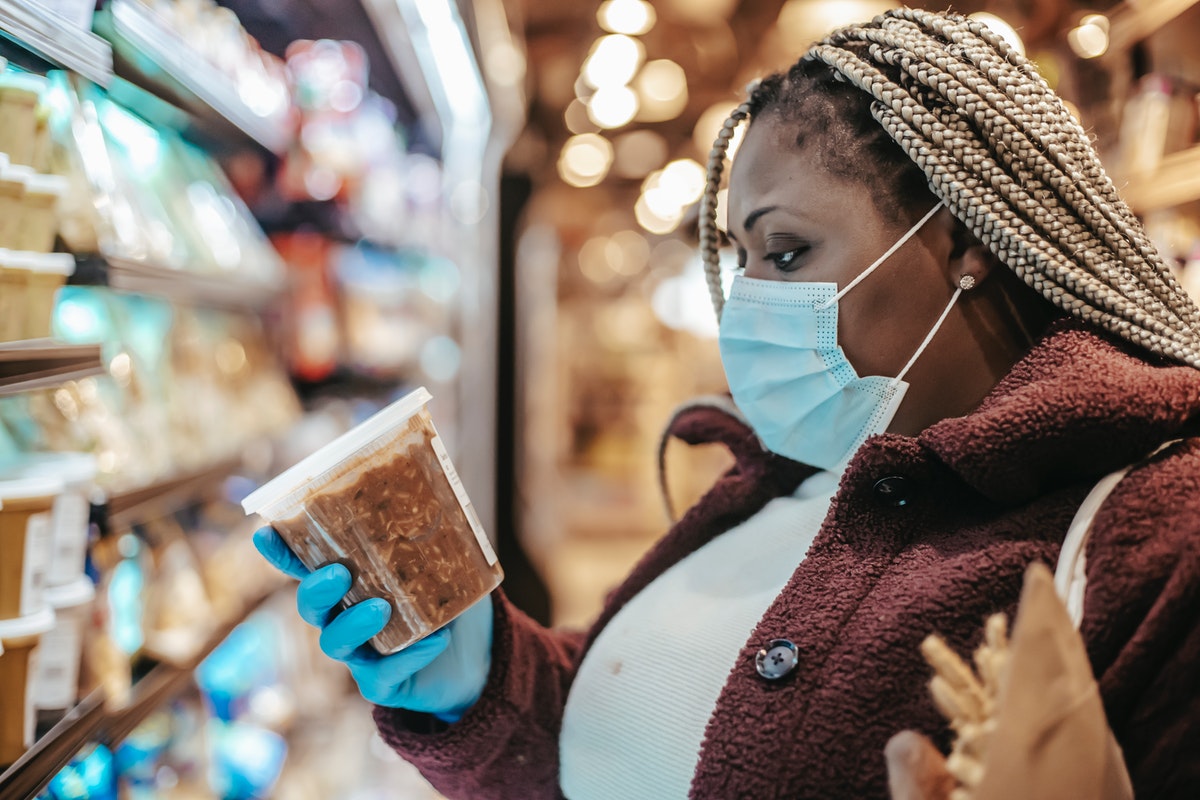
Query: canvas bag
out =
(1052, 739)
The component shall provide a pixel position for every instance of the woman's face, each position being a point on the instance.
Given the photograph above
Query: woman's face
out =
(791, 220)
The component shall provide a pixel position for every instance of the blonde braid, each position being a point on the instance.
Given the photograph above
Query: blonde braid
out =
(710, 244)
(1077, 189)
(1000, 148)
(1046, 212)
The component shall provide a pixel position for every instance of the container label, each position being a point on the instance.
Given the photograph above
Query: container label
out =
(39, 546)
(31, 668)
(58, 666)
(71, 512)
(460, 492)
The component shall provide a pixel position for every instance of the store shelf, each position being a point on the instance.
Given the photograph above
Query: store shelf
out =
(53, 42)
(152, 56)
(43, 363)
(123, 509)
(1174, 182)
(180, 285)
(91, 722)
(164, 682)
(32, 771)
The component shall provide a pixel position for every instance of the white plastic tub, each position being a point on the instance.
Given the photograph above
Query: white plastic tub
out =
(385, 500)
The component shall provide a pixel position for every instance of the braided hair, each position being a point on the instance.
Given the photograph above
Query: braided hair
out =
(954, 108)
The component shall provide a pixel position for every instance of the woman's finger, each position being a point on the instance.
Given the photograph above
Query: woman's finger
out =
(916, 770)
(272, 547)
(354, 627)
(320, 592)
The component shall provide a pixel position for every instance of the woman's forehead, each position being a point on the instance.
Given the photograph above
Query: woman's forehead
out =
(770, 168)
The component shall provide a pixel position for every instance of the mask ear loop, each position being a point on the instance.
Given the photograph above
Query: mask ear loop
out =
(928, 338)
(824, 304)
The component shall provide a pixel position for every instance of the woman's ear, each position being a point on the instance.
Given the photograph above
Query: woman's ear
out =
(968, 256)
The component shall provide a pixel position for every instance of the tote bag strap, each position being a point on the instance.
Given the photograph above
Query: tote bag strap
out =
(1070, 576)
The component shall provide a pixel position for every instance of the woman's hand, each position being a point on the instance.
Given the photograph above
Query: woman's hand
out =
(443, 674)
(916, 770)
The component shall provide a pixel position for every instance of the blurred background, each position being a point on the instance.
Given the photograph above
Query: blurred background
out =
(230, 231)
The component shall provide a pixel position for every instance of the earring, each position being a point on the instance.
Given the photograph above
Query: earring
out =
(966, 283)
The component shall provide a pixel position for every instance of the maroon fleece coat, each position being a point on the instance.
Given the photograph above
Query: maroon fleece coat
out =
(985, 495)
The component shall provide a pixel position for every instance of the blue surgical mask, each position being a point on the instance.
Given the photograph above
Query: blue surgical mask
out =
(790, 378)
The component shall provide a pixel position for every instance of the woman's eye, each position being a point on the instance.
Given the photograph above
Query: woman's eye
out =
(786, 261)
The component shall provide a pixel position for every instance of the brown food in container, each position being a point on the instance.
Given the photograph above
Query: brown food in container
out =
(387, 503)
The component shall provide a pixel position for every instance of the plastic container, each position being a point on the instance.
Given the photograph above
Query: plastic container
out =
(18, 666)
(14, 278)
(48, 272)
(13, 180)
(385, 500)
(39, 213)
(72, 509)
(56, 687)
(26, 527)
(19, 97)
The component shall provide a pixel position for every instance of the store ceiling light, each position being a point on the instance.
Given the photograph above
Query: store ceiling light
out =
(612, 107)
(654, 222)
(809, 20)
(637, 153)
(1002, 27)
(1089, 39)
(614, 61)
(576, 118)
(632, 17)
(596, 259)
(662, 90)
(683, 179)
(634, 252)
(585, 159)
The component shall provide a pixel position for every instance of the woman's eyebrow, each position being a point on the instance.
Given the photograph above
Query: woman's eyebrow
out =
(756, 215)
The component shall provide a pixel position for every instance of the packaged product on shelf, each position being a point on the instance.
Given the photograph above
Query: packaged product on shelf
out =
(19, 639)
(19, 96)
(178, 617)
(393, 303)
(71, 510)
(48, 272)
(312, 322)
(38, 222)
(118, 635)
(385, 500)
(26, 527)
(9, 448)
(56, 686)
(14, 278)
(13, 180)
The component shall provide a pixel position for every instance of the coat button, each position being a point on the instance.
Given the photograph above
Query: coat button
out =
(893, 491)
(777, 660)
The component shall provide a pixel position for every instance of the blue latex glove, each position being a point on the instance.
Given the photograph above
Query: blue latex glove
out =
(442, 674)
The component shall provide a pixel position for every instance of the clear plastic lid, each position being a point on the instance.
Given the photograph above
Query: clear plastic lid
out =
(52, 263)
(339, 450)
(17, 173)
(29, 488)
(55, 185)
(22, 83)
(29, 625)
(72, 594)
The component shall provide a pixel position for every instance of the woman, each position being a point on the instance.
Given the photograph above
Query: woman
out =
(912, 204)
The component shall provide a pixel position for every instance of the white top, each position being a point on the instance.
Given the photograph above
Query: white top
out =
(636, 714)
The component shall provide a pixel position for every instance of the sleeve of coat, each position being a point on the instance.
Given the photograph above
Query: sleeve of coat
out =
(1142, 622)
(506, 746)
